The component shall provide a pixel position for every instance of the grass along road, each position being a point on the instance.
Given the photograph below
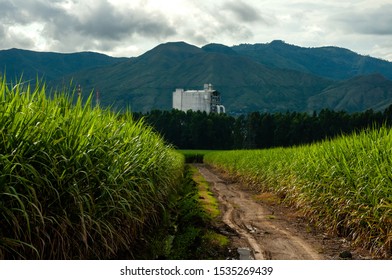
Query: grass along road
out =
(269, 230)
(343, 185)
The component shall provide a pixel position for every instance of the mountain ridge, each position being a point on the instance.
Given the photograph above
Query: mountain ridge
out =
(239, 78)
(344, 96)
(50, 65)
(260, 77)
(330, 62)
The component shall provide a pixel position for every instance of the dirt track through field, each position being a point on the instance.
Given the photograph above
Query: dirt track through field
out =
(265, 233)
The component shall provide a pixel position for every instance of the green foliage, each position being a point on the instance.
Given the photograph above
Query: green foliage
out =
(207, 200)
(192, 130)
(344, 185)
(191, 222)
(187, 232)
(76, 181)
(329, 62)
(193, 156)
(49, 65)
(197, 130)
(147, 82)
(246, 80)
(274, 77)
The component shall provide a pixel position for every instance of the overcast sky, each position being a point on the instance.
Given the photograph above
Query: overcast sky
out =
(130, 28)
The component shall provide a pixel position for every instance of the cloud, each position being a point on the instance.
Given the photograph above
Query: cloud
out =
(106, 21)
(374, 21)
(20, 39)
(248, 13)
(383, 50)
(197, 37)
(6, 10)
(95, 24)
(243, 11)
(2, 32)
(24, 12)
(224, 22)
(128, 28)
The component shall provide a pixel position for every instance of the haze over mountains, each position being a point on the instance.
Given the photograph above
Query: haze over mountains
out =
(261, 77)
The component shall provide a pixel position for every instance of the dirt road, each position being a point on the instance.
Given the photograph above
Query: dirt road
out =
(263, 232)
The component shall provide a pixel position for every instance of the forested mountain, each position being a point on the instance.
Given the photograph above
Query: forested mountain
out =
(355, 95)
(274, 77)
(48, 65)
(148, 81)
(328, 62)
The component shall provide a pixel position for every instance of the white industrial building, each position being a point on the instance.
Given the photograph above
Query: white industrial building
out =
(206, 100)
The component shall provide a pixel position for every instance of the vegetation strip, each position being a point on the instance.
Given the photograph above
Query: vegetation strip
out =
(199, 130)
(344, 185)
(188, 231)
(207, 200)
(77, 181)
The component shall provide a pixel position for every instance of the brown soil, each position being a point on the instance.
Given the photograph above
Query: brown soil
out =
(269, 229)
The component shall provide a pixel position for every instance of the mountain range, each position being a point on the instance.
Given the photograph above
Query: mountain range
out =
(250, 77)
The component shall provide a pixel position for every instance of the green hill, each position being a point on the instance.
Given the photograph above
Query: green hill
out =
(355, 95)
(328, 62)
(261, 77)
(49, 65)
(148, 81)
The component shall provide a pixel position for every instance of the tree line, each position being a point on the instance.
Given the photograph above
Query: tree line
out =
(199, 130)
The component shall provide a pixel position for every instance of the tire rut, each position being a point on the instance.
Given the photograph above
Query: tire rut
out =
(267, 236)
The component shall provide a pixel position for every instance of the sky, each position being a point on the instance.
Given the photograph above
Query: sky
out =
(130, 28)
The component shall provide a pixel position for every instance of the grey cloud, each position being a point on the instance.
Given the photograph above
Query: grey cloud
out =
(105, 21)
(24, 12)
(22, 41)
(196, 38)
(221, 22)
(47, 13)
(18, 40)
(243, 11)
(3, 36)
(7, 9)
(371, 22)
(99, 25)
(12, 39)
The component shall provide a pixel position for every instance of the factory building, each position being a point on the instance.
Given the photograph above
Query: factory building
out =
(206, 100)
